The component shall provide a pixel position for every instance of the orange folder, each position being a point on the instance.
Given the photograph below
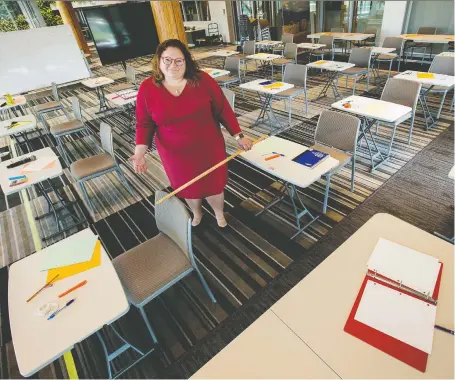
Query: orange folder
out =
(48, 166)
(71, 270)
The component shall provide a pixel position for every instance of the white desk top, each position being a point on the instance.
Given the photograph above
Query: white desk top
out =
(330, 65)
(264, 57)
(123, 97)
(283, 167)
(97, 82)
(433, 38)
(267, 349)
(310, 46)
(452, 173)
(438, 80)
(33, 177)
(19, 100)
(256, 86)
(224, 53)
(343, 36)
(380, 50)
(215, 73)
(31, 124)
(446, 54)
(317, 308)
(374, 109)
(37, 341)
(269, 43)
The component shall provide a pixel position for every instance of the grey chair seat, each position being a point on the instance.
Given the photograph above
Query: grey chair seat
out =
(227, 79)
(67, 127)
(88, 166)
(282, 61)
(337, 154)
(145, 269)
(354, 70)
(290, 92)
(321, 51)
(385, 57)
(121, 86)
(47, 106)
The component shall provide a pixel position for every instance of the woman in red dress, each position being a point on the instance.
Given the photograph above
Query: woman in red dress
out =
(183, 108)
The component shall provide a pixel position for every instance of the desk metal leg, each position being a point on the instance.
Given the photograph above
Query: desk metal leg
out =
(365, 128)
(430, 121)
(111, 356)
(298, 213)
(104, 106)
(130, 129)
(266, 109)
(331, 76)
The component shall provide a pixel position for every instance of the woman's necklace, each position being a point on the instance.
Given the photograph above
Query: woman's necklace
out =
(177, 87)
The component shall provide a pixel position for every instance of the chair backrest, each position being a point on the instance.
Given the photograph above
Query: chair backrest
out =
(295, 74)
(130, 75)
(173, 219)
(76, 106)
(55, 91)
(337, 30)
(290, 51)
(401, 91)
(249, 47)
(232, 64)
(360, 57)
(287, 38)
(427, 30)
(393, 42)
(370, 30)
(230, 96)
(107, 142)
(337, 130)
(327, 41)
(443, 65)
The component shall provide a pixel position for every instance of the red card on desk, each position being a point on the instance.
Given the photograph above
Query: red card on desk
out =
(386, 343)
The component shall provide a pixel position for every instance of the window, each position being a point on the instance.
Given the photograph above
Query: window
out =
(195, 10)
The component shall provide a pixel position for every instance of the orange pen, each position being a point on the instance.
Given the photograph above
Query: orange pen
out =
(73, 288)
(272, 157)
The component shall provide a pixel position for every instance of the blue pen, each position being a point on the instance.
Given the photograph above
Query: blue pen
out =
(59, 310)
(18, 177)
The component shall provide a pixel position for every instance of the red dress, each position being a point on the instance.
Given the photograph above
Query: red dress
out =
(187, 132)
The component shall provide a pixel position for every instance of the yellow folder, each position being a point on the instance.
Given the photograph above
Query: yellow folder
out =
(71, 270)
(320, 62)
(274, 85)
(425, 75)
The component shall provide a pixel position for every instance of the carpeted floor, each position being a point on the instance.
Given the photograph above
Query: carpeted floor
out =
(251, 263)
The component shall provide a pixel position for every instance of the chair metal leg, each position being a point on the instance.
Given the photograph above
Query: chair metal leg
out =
(423, 55)
(353, 173)
(353, 87)
(390, 68)
(66, 113)
(306, 102)
(346, 82)
(377, 128)
(326, 194)
(62, 151)
(399, 62)
(290, 110)
(123, 178)
(87, 198)
(147, 323)
(368, 80)
(410, 127)
(205, 285)
(453, 99)
(442, 103)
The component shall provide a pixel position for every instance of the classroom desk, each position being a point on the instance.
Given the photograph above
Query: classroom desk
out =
(267, 349)
(265, 60)
(215, 73)
(126, 99)
(38, 341)
(290, 173)
(267, 44)
(332, 68)
(224, 53)
(266, 97)
(342, 36)
(439, 80)
(308, 47)
(29, 124)
(19, 100)
(428, 38)
(98, 83)
(317, 308)
(371, 111)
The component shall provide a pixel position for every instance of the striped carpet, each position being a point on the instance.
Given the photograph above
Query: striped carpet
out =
(238, 262)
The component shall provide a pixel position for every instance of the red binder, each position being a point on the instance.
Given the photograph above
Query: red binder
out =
(386, 343)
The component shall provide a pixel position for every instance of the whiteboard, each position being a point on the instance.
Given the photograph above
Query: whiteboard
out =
(34, 58)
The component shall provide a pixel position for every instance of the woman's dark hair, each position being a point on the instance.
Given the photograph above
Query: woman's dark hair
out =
(192, 72)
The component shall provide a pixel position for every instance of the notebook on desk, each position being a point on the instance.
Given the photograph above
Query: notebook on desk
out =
(395, 309)
(310, 158)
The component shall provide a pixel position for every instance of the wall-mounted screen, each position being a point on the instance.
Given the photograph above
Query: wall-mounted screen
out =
(123, 31)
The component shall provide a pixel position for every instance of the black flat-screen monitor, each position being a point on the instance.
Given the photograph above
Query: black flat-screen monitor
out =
(122, 31)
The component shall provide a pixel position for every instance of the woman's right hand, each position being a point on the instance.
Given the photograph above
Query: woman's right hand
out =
(138, 159)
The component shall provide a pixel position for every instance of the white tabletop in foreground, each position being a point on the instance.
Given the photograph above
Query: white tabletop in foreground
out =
(267, 349)
(224, 53)
(215, 73)
(374, 109)
(29, 123)
(330, 65)
(317, 308)
(37, 341)
(452, 173)
(19, 100)
(343, 36)
(256, 86)
(310, 46)
(264, 57)
(97, 82)
(429, 38)
(33, 177)
(437, 80)
(447, 54)
(124, 97)
(283, 167)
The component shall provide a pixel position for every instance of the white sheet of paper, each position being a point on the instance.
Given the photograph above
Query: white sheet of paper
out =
(405, 318)
(81, 251)
(39, 164)
(399, 263)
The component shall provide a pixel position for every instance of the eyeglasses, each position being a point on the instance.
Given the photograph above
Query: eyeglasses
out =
(168, 61)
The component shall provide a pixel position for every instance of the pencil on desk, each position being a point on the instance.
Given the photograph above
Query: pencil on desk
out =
(73, 288)
(45, 286)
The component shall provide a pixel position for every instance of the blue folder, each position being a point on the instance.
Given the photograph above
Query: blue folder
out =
(310, 158)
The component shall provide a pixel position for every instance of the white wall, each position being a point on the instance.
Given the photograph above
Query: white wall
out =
(393, 19)
(218, 14)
